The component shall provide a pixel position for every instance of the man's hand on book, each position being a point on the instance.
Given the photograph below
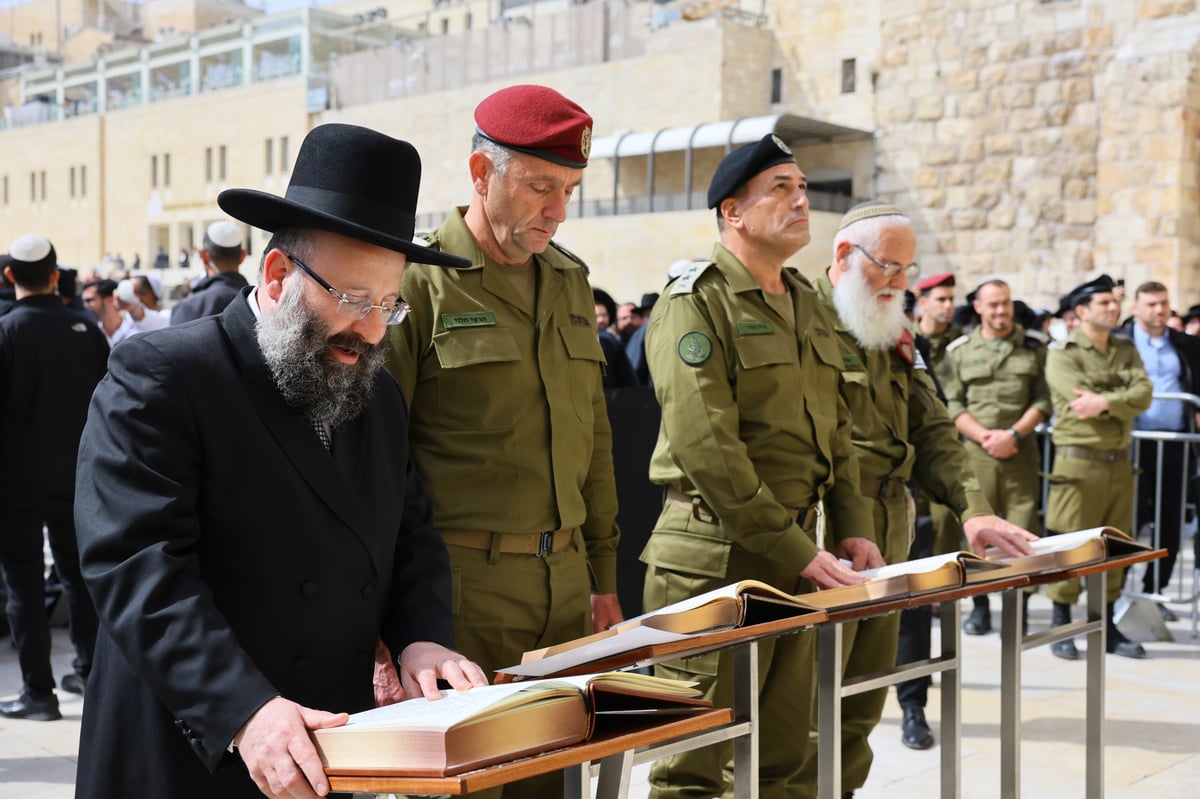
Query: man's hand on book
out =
(423, 663)
(826, 572)
(386, 681)
(606, 611)
(275, 746)
(992, 531)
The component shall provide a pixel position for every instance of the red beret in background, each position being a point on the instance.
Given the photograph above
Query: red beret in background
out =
(934, 281)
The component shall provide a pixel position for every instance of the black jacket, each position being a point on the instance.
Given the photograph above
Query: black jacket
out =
(209, 297)
(233, 558)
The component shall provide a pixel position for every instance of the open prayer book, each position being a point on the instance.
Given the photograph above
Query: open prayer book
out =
(739, 604)
(1068, 551)
(496, 723)
(909, 578)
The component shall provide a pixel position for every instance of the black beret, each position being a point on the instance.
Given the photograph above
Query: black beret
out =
(744, 163)
(1083, 293)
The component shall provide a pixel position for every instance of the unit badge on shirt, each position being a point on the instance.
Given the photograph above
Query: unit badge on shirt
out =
(694, 348)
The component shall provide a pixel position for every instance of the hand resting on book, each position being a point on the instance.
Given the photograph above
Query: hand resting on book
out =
(992, 531)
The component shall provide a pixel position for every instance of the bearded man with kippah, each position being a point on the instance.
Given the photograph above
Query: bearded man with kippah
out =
(502, 369)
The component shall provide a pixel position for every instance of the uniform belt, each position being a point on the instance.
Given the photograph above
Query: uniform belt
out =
(884, 488)
(1098, 455)
(514, 544)
(702, 511)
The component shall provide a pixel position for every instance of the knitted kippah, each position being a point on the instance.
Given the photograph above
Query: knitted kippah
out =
(868, 210)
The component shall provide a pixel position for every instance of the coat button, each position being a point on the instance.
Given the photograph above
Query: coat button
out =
(308, 588)
(300, 663)
(368, 591)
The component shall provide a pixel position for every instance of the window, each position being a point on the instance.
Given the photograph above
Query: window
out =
(83, 180)
(208, 165)
(6, 189)
(167, 170)
(777, 86)
(268, 155)
(445, 25)
(284, 155)
(467, 22)
(43, 181)
(848, 75)
(72, 181)
(221, 166)
(154, 171)
(33, 187)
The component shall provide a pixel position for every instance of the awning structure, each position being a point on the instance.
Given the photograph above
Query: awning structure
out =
(796, 131)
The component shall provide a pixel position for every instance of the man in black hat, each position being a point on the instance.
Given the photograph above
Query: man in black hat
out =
(1098, 385)
(51, 358)
(251, 525)
(754, 435)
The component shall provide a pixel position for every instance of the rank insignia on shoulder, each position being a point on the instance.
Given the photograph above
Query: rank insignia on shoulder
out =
(906, 349)
(958, 342)
(694, 348)
(687, 280)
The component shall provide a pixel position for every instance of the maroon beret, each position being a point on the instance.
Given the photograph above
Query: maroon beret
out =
(935, 281)
(539, 121)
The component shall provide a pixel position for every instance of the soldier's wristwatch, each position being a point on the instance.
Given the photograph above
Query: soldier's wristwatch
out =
(1012, 431)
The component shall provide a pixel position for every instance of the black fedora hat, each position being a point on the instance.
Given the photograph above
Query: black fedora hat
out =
(349, 180)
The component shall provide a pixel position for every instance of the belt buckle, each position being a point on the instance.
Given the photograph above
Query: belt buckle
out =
(546, 544)
(701, 513)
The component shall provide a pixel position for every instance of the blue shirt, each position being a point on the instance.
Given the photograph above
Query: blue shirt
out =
(1163, 367)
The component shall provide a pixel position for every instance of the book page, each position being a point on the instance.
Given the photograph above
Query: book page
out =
(918, 566)
(1053, 543)
(454, 706)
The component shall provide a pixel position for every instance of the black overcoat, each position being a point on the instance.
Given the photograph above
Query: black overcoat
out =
(232, 558)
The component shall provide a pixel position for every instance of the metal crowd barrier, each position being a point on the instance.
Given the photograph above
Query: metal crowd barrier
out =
(1189, 550)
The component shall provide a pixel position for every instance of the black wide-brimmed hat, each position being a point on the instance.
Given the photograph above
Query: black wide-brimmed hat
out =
(349, 180)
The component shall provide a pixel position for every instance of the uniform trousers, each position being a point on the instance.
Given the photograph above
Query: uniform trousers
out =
(868, 646)
(504, 604)
(1086, 494)
(786, 685)
(23, 560)
(1173, 477)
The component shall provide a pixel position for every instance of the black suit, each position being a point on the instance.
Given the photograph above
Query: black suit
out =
(232, 558)
(210, 296)
(51, 358)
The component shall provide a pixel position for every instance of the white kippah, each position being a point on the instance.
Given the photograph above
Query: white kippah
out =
(30, 248)
(224, 234)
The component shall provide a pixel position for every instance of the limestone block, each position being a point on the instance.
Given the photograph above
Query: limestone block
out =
(941, 154)
(947, 243)
(1080, 212)
(1078, 90)
(959, 175)
(1069, 64)
(1003, 216)
(1027, 119)
(963, 80)
(991, 124)
(968, 219)
(992, 75)
(995, 241)
(1009, 49)
(1156, 9)
(930, 108)
(926, 178)
(972, 150)
(1041, 236)
(1030, 70)
(1041, 142)
(1098, 37)
(1053, 211)
(953, 130)
(1024, 168)
(1080, 138)
(970, 104)
(984, 198)
(1157, 251)
(1048, 92)
(997, 170)
(932, 198)
(976, 56)
(1002, 144)
(1058, 114)
(1162, 148)
(1085, 165)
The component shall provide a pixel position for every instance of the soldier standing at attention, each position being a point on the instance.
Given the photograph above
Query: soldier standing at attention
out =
(502, 370)
(1098, 385)
(901, 431)
(996, 394)
(935, 298)
(754, 434)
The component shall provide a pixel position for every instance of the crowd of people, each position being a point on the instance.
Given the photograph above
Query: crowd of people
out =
(388, 463)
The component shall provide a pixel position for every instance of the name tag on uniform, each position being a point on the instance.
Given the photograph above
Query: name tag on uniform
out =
(850, 360)
(470, 319)
(755, 328)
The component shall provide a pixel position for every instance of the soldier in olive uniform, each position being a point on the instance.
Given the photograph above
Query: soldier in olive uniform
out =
(1098, 385)
(754, 434)
(502, 369)
(901, 430)
(996, 393)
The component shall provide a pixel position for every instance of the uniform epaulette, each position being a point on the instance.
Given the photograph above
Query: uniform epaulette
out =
(958, 342)
(570, 255)
(431, 241)
(686, 282)
(1035, 339)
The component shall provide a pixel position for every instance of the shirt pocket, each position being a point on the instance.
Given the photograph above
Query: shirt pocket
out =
(475, 384)
(769, 380)
(584, 368)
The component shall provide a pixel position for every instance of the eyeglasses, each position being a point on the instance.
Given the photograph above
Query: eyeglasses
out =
(891, 270)
(393, 312)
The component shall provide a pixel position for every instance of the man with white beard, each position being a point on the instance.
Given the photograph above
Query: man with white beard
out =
(901, 431)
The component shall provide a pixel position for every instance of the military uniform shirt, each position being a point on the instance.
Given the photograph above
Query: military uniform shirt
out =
(753, 421)
(995, 380)
(901, 428)
(1117, 375)
(509, 427)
